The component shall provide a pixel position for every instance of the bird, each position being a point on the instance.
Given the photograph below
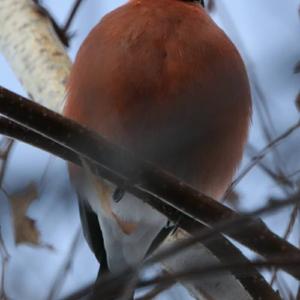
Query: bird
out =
(161, 79)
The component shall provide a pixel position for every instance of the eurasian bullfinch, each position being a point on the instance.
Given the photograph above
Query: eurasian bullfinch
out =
(161, 79)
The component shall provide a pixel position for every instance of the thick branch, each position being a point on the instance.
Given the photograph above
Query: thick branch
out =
(220, 248)
(160, 189)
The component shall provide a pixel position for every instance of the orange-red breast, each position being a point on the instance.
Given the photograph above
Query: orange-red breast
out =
(160, 78)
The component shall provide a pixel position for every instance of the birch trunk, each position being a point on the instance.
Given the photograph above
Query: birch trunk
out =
(38, 58)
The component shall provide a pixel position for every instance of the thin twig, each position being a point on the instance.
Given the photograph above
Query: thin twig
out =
(262, 153)
(61, 34)
(292, 174)
(5, 259)
(288, 231)
(4, 155)
(156, 290)
(284, 289)
(268, 133)
(267, 124)
(65, 267)
(61, 31)
(287, 187)
(278, 178)
(103, 288)
(7, 144)
(198, 273)
(281, 290)
(43, 180)
(73, 12)
(282, 261)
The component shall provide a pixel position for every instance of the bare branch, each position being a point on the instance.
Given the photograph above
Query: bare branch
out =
(5, 258)
(73, 12)
(279, 178)
(262, 153)
(288, 231)
(264, 115)
(61, 34)
(156, 291)
(198, 273)
(65, 268)
(161, 190)
(7, 145)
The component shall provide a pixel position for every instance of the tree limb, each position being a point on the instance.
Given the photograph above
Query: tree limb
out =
(159, 189)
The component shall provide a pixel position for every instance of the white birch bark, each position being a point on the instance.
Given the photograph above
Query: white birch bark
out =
(34, 52)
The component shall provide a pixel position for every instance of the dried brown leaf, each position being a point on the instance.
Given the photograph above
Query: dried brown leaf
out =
(25, 228)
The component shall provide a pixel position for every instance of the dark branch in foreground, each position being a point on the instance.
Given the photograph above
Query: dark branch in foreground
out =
(158, 188)
(111, 287)
(255, 284)
(197, 273)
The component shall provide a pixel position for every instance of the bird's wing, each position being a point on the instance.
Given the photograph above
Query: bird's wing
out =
(92, 232)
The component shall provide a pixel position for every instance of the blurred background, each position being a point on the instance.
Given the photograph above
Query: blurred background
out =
(267, 34)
